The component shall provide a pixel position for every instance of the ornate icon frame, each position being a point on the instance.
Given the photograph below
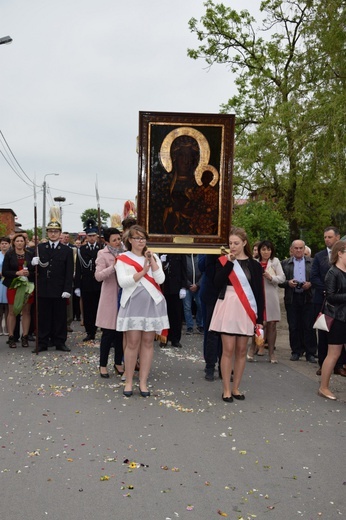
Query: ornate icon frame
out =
(200, 219)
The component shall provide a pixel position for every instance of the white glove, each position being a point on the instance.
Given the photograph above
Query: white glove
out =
(163, 258)
(35, 260)
(65, 295)
(182, 293)
(77, 292)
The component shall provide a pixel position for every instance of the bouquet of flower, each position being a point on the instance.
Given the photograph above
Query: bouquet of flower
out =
(23, 290)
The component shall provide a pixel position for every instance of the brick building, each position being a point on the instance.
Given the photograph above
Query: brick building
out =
(7, 219)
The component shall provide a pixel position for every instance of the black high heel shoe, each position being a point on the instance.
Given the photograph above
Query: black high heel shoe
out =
(144, 394)
(239, 397)
(127, 393)
(117, 371)
(105, 376)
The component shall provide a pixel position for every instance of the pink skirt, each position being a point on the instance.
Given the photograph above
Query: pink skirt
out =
(230, 317)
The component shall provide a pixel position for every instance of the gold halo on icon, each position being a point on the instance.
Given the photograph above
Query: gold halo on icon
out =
(204, 153)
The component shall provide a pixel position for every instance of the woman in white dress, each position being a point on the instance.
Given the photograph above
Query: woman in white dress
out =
(143, 310)
(272, 276)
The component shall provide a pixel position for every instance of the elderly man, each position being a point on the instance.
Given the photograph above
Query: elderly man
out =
(319, 270)
(298, 303)
(55, 273)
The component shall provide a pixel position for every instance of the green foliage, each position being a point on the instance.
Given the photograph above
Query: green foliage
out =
(31, 232)
(263, 222)
(290, 74)
(2, 230)
(93, 214)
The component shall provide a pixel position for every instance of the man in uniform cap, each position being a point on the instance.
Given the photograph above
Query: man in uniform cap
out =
(86, 286)
(54, 287)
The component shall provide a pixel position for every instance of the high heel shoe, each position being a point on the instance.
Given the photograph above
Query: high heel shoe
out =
(117, 371)
(105, 376)
(144, 394)
(239, 397)
(127, 393)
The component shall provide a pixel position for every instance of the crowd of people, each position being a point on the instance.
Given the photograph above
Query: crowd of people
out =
(135, 296)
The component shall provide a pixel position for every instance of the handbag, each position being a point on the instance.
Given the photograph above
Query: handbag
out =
(323, 322)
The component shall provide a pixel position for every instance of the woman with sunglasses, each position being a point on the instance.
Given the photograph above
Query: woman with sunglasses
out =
(143, 311)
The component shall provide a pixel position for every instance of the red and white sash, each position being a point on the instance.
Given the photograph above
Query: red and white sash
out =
(242, 288)
(124, 258)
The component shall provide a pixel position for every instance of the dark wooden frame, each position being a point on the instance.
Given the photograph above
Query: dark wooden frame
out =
(212, 138)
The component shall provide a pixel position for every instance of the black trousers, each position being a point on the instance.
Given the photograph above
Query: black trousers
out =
(175, 316)
(52, 321)
(300, 319)
(212, 345)
(90, 304)
(111, 338)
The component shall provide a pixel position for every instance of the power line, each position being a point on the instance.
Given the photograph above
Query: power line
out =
(14, 157)
(13, 201)
(18, 175)
(87, 195)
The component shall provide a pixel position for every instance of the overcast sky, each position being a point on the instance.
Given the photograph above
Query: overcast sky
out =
(72, 84)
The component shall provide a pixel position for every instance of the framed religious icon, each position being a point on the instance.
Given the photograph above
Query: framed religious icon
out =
(185, 179)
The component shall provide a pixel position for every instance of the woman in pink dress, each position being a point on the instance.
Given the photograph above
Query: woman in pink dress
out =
(239, 309)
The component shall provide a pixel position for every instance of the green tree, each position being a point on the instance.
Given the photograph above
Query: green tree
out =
(31, 232)
(290, 106)
(262, 221)
(2, 229)
(93, 214)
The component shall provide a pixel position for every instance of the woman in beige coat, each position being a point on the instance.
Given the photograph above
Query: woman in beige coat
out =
(107, 310)
(272, 276)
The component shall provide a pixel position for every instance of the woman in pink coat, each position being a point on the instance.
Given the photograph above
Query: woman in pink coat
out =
(107, 311)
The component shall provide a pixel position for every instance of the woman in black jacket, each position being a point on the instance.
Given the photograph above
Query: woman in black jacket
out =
(335, 306)
(17, 262)
(238, 310)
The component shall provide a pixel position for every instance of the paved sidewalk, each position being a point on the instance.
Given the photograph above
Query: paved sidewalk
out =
(72, 447)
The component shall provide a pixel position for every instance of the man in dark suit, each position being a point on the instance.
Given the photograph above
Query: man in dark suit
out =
(319, 269)
(55, 274)
(174, 267)
(298, 303)
(86, 286)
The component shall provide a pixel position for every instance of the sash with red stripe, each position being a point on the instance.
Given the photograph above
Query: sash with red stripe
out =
(240, 292)
(139, 268)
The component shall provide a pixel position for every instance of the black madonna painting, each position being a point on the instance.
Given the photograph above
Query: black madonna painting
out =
(185, 174)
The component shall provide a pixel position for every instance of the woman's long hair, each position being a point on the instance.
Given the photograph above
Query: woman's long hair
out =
(241, 233)
(340, 245)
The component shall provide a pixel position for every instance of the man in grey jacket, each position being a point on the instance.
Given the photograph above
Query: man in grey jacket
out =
(298, 303)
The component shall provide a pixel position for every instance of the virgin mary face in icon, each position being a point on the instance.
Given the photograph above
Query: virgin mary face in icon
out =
(185, 157)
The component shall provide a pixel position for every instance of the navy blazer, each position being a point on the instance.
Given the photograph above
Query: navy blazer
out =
(55, 270)
(85, 276)
(319, 269)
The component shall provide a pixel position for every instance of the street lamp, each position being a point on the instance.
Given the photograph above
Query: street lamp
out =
(5, 39)
(44, 204)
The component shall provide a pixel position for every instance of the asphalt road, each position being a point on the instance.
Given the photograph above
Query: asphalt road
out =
(72, 447)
